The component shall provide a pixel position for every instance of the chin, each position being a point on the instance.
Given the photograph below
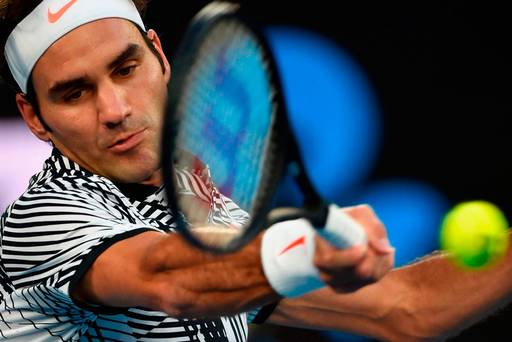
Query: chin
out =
(139, 167)
(140, 172)
(131, 176)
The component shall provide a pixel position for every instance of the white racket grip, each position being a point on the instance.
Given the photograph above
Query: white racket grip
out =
(341, 230)
(287, 252)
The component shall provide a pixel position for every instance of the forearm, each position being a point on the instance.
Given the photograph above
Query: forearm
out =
(428, 299)
(449, 299)
(163, 272)
(443, 299)
(210, 284)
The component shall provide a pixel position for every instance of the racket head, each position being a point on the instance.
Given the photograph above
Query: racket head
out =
(225, 137)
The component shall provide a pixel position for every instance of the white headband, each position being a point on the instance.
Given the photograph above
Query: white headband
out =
(51, 20)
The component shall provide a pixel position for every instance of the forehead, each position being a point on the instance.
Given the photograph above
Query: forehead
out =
(90, 45)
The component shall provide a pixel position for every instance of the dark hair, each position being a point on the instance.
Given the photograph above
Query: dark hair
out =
(11, 13)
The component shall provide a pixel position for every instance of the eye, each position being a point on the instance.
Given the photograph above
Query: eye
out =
(74, 95)
(126, 71)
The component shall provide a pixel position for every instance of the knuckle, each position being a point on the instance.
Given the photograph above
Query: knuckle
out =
(365, 209)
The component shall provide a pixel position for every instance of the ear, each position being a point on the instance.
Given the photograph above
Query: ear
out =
(30, 117)
(158, 46)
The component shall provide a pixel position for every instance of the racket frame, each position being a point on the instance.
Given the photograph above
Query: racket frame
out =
(282, 142)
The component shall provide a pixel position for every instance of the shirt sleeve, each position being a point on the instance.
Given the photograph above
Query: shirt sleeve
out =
(50, 237)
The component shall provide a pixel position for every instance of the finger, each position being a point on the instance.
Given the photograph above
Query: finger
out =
(350, 278)
(329, 258)
(350, 286)
(374, 266)
(384, 265)
(376, 231)
(382, 246)
(365, 216)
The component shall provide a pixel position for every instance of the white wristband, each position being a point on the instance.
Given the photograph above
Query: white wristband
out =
(287, 252)
(341, 230)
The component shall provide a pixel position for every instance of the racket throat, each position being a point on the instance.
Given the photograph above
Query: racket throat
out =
(316, 215)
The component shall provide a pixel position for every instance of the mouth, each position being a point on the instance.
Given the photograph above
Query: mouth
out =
(127, 142)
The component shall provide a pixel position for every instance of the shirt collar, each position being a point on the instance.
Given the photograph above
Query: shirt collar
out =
(60, 163)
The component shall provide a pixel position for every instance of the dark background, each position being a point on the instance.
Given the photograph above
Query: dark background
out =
(442, 74)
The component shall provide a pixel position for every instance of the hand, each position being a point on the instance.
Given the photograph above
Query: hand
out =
(346, 270)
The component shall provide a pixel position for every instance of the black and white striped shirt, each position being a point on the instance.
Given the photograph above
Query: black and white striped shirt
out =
(52, 234)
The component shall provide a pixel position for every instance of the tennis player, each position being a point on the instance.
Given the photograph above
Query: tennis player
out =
(88, 251)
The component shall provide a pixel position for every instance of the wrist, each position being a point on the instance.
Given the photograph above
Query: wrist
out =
(287, 252)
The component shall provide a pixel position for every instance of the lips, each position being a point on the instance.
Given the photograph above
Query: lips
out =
(127, 142)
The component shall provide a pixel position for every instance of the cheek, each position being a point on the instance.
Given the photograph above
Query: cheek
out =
(73, 129)
(155, 78)
(77, 140)
(154, 97)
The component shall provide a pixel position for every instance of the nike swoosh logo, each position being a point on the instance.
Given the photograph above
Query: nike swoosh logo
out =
(53, 17)
(300, 241)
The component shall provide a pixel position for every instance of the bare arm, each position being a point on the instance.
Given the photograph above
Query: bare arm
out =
(426, 301)
(162, 272)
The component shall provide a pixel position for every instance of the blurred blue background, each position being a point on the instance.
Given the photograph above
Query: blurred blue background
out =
(331, 106)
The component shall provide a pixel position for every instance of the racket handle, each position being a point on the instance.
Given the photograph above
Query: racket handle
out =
(288, 247)
(341, 230)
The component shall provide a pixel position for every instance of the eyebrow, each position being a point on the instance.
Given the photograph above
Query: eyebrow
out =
(131, 51)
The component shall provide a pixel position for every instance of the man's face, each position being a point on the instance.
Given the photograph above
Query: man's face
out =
(103, 93)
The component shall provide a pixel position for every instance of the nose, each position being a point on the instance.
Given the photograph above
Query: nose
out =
(113, 107)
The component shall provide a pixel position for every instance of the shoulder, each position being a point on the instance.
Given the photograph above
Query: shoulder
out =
(65, 195)
(71, 185)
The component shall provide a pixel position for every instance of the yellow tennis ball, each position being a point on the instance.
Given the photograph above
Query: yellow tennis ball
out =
(476, 233)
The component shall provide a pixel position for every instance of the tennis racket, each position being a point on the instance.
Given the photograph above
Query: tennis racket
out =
(227, 143)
